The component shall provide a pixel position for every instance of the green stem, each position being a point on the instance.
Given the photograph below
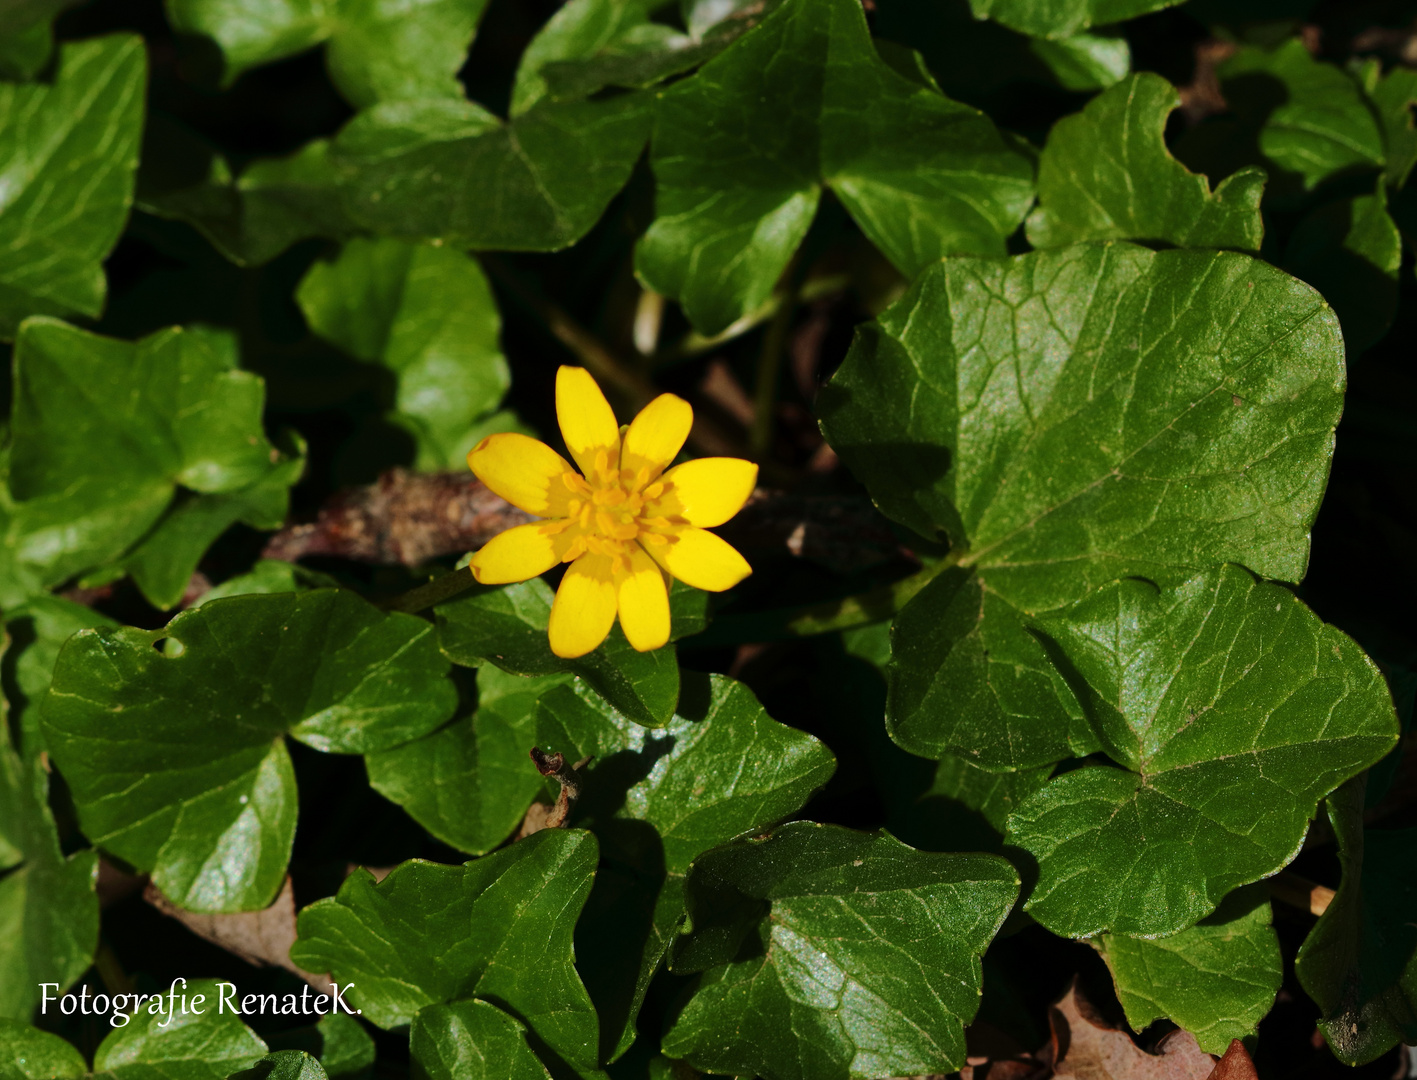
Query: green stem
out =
(862, 609)
(434, 593)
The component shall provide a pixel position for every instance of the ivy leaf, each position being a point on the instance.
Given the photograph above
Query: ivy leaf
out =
(470, 783)
(37, 629)
(428, 315)
(1059, 18)
(1216, 980)
(379, 50)
(48, 908)
(430, 934)
(1359, 963)
(1311, 118)
(250, 218)
(1066, 418)
(1393, 96)
(268, 576)
(1351, 251)
(104, 431)
(591, 44)
(27, 37)
(283, 1065)
(506, 626)
(68, 153)
(1231, 709)
(337, 1039)
(170, 740)
(450, 170)
(26, 1053)
(742, 150)
(472, 1040)
(1098, 161)
(163, 562)
(869, 964)
(658, 799)
(200, 1041)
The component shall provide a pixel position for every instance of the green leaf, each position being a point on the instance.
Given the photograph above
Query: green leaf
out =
(430, 934)
(1059, 18)
(338, 1040)
(1085, 62)
(1393, 96)
(1359, 963)
(26, 1053)
(472, 1040)
(1106, 174)
(592, 44)
(104, 431)
(1067, 418)
(506, 626)
(379, 50)
(867, 965)
(742, 150)
(428, 315)
(1217, 980)
(163, 562)
(658, 799)
(27, 36)
(250, 219)
(36, 630)
(1351, 251)
(283, 1065)
(197, 1040)
(69, 151)
(470, 783)
(450, 170)
(1231, 710)
(199, 791)
(48, 909)
(1311, 117)
(268, 576)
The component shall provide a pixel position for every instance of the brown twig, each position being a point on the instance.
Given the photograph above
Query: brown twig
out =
(1289, 888)
(555, 765)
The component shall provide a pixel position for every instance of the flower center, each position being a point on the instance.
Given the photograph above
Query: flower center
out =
(611, 510)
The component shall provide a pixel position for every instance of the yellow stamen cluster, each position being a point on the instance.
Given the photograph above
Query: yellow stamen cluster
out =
(612, 510)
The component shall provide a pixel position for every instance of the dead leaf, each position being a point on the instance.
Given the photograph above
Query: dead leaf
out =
(261, 938)
(1235, 1065)
(1085, 1048)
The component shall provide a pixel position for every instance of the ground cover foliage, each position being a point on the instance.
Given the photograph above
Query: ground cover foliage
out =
(1066, 706)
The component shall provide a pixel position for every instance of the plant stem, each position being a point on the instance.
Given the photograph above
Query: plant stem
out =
(695, 344)
(434, 593)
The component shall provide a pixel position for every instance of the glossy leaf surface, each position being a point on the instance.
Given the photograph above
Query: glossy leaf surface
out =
(1066, 418)
(835, 953)
(171, 740)
(506, 626)
(68, 152)
(742, 150)
(1230, 710)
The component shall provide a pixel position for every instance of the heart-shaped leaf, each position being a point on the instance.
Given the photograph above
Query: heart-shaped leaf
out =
(1067, 418)
(1231, 710)
(171, 740)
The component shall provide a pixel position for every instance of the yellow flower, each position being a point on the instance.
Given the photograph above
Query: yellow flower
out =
(623, 523)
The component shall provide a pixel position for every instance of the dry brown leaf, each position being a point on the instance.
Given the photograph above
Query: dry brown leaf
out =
(261, 938)
(1085, 1048)
(1235, 1065)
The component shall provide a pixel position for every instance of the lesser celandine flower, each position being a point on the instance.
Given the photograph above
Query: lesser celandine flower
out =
(623, 523)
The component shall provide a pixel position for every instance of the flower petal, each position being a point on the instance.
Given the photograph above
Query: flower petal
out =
(701, 559)
(584, 609)
(524, 471)
(518, 554)
(643, 603)
(656, 435)
(587, 422)
(707, 491)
